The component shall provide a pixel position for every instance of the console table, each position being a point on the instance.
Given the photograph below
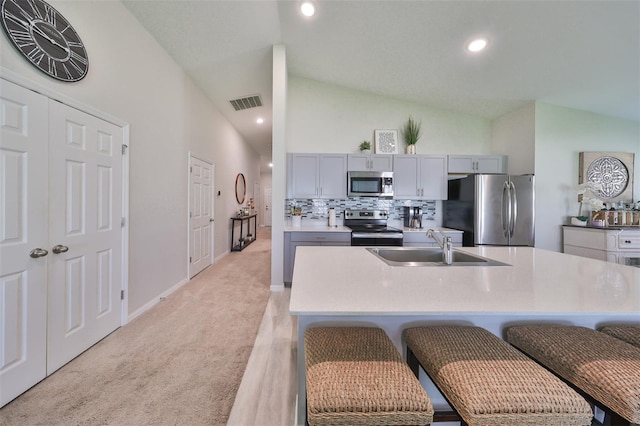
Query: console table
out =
(244, 238)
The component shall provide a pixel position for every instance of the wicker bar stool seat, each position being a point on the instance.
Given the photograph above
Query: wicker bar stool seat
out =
(356, 376)
(628, 333)
(606, 369)
(490, 383)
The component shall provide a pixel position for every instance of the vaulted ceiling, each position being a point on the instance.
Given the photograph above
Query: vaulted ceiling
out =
(581, 54)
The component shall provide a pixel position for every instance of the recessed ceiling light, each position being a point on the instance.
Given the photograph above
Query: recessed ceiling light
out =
(270, 164)
(307, 9)
(477, 45)
(260, 121)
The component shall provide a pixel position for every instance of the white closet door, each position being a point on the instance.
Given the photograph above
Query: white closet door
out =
(23, 223)
(85, 193)
(201, 215)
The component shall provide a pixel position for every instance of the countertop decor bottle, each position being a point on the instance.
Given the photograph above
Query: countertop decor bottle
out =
(332, 218)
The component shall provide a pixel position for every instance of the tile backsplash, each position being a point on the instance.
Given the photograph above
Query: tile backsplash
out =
(319, 208)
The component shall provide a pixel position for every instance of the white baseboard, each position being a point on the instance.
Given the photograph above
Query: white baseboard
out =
(277, 287)
(157, 300)
(217, 259)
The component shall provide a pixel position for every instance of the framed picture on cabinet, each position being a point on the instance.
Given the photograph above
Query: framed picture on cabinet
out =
(386, 141)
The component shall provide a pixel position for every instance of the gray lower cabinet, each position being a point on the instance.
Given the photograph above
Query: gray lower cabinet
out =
(301, 238)
(420, 239)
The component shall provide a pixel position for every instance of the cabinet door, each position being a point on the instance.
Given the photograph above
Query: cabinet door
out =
(370, 162)
(304, 176)
(381, 162)
(461, 164)
(491, 164)
(333, 176)
(477, 163)
(358, 162)
(433, 177)
(294, 239)
(405, 177)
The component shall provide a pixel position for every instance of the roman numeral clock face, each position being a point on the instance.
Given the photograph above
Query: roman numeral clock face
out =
(45, 38)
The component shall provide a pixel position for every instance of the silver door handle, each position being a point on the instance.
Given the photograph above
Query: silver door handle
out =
(60, 249)
(38, 252)
(505, 215)
(514, 208)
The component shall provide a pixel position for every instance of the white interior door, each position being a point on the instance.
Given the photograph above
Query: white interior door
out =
(23, 228)
(200, 215)
(267, 206)
(85, 235)
(257, 203)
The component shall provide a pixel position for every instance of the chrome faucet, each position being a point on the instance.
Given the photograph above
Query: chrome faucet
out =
(446, 244)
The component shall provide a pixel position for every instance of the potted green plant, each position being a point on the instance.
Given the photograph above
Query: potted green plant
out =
(365, 147)
(411, 134)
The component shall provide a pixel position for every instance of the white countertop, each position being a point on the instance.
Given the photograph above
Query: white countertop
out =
(312, 226)
(352, 281)
(315, 228)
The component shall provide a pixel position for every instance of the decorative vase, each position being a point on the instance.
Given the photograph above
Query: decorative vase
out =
(365, 151)
(577, 222)
(411, 149)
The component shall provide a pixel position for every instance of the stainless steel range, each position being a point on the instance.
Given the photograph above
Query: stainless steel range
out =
(369, 228)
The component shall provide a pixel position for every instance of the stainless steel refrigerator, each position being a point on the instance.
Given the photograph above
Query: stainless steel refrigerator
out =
(492, 209)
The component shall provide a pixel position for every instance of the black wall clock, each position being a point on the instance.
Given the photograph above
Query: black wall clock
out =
(43, 36)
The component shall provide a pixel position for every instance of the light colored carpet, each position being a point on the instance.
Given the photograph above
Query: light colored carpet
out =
(181, 363)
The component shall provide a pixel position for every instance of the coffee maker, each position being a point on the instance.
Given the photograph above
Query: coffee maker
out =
(413, 217)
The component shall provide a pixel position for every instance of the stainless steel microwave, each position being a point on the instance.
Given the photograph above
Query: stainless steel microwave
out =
(370, 184)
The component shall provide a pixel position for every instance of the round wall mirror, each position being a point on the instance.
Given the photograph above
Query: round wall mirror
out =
(241, 188)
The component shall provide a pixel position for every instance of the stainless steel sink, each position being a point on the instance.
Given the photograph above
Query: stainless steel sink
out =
(422, 256)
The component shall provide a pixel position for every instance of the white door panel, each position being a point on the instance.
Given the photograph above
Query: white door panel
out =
(23, 227)
(200, 215)
(85, 166)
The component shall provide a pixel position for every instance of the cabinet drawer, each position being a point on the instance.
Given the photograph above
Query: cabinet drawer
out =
(319, 237)
(629, 240)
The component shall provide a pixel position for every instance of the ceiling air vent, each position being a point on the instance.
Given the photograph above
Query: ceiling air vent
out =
(246, 102)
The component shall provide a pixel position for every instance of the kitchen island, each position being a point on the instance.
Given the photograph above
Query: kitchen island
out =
(351, 286)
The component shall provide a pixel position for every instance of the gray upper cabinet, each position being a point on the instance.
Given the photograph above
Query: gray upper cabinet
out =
(466, 164)
(370, 162)
(420, 177)
(317, 175)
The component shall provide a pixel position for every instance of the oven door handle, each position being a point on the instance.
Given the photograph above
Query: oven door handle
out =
(376, 235)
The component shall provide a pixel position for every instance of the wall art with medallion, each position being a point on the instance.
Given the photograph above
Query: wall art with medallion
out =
(612, 170)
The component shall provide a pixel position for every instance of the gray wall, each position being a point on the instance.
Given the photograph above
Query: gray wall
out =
(169, 118)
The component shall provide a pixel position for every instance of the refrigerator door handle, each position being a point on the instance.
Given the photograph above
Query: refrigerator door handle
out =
(506, 209)
(513, 217)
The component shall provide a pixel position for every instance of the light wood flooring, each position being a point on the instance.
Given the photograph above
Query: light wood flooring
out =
(267, 393)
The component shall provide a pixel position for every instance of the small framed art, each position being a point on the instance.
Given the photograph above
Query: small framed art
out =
(386, 141)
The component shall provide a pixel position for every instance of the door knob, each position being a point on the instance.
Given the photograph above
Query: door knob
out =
(38, 252)
(60, 249)
(211, 220)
